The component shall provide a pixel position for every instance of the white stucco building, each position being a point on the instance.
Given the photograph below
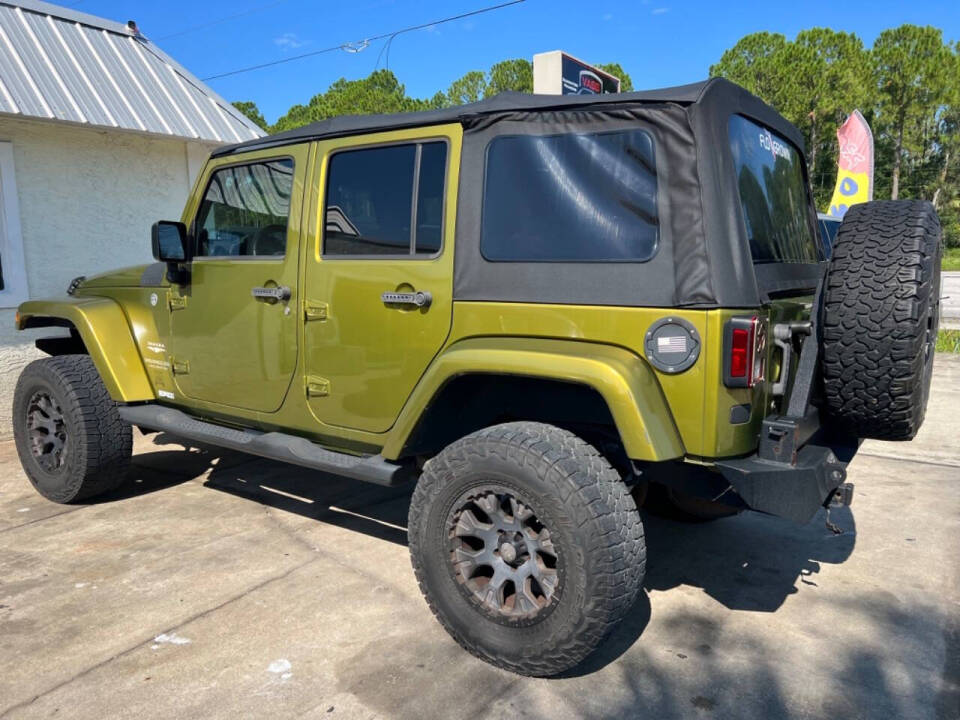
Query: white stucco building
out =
(101, 134)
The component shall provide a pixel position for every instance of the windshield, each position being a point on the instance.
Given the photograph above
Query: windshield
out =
(773, 194)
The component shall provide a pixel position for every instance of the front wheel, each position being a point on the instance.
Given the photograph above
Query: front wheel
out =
(72, 443)
(527, 546)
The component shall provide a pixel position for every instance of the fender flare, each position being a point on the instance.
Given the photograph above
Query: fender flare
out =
(624, 380)
(103, 327)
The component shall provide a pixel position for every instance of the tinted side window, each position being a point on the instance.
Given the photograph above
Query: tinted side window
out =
(433, 167)
(773, 194)
(245, 210)
(583, 198)
(385, 200)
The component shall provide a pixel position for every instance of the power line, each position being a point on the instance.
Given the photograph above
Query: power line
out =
(359, 45)
(201, 26)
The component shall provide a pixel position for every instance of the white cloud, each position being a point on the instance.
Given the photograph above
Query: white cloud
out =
(660, 11)
(608, 16)
(289, 41)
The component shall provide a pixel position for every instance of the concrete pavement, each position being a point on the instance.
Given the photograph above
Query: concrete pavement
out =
(219, 585)
(950, 305)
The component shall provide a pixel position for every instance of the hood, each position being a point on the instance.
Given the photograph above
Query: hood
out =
(135, 276)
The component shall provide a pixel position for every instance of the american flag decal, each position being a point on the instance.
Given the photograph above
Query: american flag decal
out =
(673, 344)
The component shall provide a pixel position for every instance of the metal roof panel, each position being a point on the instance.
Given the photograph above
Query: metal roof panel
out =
(66, 68)
(24, 95)
(66, 65)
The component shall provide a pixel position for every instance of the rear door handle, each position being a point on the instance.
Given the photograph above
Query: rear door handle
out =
(420, 299)
(281, 293)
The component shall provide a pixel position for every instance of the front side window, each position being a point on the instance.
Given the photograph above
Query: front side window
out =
(386, 200)
(570, 198)
(773, 194)
(245, 210)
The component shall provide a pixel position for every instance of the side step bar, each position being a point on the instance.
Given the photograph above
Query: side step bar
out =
(274, 445)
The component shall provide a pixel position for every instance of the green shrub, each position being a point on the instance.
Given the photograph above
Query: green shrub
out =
(948, 341)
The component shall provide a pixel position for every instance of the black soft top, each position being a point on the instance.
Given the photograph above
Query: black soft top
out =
(704, 92)
(703, 257)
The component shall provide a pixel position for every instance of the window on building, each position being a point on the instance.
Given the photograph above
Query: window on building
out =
(245, 210)
(386, 200)
(13, 276)
(570, 198)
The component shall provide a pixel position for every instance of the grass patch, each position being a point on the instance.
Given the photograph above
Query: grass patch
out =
(951, 259)
(948, 341)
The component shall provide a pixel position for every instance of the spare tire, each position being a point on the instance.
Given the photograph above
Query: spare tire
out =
(881, 309)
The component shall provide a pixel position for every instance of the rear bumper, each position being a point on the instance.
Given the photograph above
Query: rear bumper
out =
(799, 463)
(796, 486)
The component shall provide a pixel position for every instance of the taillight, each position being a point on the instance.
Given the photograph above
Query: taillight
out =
(744, 349)
(740, 353)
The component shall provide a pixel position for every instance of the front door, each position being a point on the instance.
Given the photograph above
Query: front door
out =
(381, 274)
(234, 332)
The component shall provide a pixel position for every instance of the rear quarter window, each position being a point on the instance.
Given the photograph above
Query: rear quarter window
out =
(773, 194)
(570, 198)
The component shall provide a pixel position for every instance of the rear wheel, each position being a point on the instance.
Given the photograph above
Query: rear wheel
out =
(881, 309)
(527, 546)
(72, 443)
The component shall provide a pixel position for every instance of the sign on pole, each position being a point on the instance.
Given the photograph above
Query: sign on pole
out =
(557, 73)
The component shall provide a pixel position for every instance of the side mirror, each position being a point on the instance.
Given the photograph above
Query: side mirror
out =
(169, 240)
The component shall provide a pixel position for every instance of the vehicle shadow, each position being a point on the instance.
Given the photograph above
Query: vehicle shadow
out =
(380, 512)
(750, 562)
(747, 562)
(169, 462)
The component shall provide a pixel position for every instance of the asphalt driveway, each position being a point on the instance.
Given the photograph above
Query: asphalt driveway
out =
(219, 585)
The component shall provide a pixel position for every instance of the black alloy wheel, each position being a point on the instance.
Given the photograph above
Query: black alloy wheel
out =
(502, 556)
(47, 431)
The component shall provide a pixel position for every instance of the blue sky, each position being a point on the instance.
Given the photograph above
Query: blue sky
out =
(659, 42)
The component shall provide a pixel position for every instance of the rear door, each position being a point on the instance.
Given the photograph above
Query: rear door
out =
(234, 334)
(780, 224)
(379, 281)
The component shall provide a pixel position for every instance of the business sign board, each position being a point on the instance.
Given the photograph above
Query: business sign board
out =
(557, 73)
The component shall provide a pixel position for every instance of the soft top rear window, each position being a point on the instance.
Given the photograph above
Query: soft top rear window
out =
(773, 194)
(570, 198)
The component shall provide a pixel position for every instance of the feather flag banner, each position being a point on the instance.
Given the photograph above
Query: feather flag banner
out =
(855, 165)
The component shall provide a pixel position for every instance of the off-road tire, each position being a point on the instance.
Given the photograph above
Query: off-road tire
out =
(98, 443)
(881, 309)
(592, 520)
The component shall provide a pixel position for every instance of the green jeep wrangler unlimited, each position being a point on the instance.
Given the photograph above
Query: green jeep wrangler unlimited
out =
(536, 307)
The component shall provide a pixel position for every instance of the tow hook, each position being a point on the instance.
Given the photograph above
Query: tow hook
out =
(842, 495)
